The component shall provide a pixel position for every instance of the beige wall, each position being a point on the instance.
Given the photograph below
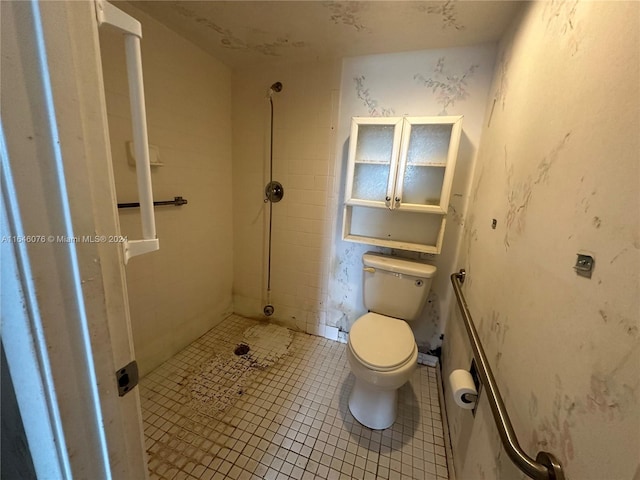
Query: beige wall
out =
(558, 168)
(305, 113)
(179, 292)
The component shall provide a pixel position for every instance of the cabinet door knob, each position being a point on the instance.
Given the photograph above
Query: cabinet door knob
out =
(388, 199)
(397, 201)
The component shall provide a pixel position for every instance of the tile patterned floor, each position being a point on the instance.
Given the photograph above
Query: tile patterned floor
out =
(280, 412)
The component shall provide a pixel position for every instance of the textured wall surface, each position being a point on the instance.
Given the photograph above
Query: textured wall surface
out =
(452, 81)
(558, 169)
(179, 292)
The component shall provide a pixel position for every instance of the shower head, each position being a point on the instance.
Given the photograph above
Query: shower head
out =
(275, 88)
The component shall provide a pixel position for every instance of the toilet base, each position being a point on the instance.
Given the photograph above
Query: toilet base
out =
(372, 407)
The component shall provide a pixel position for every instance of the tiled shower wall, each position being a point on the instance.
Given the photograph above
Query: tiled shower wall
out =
(303, 153)
(179, 292)
(558, 170)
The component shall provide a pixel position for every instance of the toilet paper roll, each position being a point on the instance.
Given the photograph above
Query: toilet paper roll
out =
(461, 383)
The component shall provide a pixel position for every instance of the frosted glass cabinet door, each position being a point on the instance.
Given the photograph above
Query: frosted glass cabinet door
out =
(399, 176)
(427, 161)
(373, 154)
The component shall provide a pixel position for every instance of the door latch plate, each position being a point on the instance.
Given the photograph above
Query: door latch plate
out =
(127, 378)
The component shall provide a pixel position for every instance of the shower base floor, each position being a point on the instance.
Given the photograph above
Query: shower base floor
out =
(280, 412)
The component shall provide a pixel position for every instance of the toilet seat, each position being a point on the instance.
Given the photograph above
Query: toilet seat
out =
(381, 343)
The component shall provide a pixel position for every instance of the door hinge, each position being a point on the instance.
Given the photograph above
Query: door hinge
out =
(127, 377)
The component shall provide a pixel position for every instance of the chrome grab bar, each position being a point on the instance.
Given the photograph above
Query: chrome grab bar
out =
(546, 466)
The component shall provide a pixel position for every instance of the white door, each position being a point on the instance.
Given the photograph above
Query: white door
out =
(62, 226)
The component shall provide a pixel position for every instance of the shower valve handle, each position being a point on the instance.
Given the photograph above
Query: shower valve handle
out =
(274, 191)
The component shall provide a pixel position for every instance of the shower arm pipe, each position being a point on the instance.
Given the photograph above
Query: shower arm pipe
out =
(271, 140)
(107, 14)
(545, 466)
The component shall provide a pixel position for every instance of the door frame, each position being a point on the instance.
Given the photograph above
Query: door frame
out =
(65, 314)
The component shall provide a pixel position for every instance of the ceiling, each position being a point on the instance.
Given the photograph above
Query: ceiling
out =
(249, 33)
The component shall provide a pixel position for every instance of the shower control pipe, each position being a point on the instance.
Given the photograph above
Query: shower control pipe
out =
(273, 192)
(107, 14)
(270, 201)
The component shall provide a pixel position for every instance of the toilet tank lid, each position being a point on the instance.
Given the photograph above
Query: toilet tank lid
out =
(398, 265)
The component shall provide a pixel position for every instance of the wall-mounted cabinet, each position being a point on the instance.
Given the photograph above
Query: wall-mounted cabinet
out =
(399, 176)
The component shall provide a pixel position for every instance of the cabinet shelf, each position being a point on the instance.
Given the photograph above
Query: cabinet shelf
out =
(402, 229)
(413, 247)
(369, 160)
(426, 163)
(399, 176)
(406, 207)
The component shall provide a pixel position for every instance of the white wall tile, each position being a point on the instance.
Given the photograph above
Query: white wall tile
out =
(303, 143)
(331, 333)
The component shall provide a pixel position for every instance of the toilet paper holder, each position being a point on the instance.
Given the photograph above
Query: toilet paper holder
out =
(473, 370)
(465, 388)
(470, 398)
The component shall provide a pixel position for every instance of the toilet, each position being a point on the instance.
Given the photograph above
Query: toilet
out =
(381, 350)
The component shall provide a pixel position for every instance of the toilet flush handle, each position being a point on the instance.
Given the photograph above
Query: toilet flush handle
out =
(369, 269)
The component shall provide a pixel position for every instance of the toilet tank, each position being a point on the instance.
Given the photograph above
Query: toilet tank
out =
(395, 286)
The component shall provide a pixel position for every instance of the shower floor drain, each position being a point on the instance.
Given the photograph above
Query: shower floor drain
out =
(216, 384)
(242, 349)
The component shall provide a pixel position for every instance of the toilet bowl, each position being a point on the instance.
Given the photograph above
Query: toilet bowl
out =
(382, 354)
(382, 350)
